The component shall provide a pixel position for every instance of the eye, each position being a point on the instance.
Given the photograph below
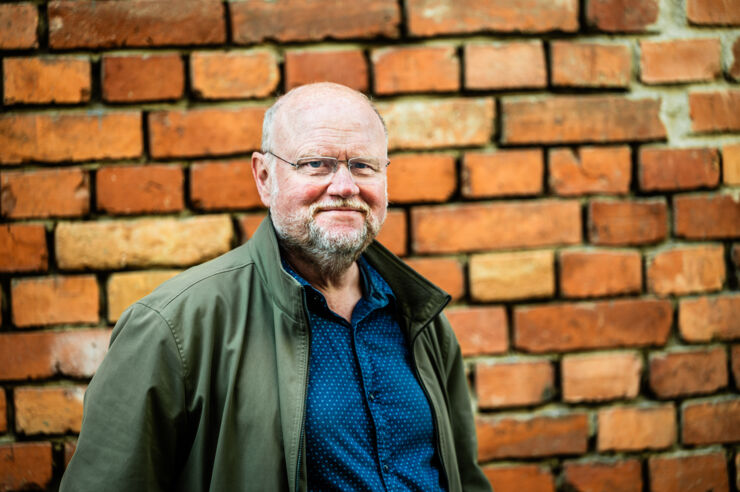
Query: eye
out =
(313, 164)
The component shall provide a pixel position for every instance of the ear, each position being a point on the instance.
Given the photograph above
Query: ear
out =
(262, 176)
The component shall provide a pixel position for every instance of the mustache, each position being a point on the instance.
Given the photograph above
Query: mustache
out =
(349, 204)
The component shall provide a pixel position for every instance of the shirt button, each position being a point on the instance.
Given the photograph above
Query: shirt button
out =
(371, 396)
(386, 468)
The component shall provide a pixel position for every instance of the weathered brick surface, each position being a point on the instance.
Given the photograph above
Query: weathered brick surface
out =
(416, 69)
(25, 465)
(446, 273)
(3, 413)
(223, 185)
(731, 164)
(139, 189)
(678, 169)
(126, 288)
(579, 64)
(249, 223)
(54, 300)
(591, 170)
(134, 78)
(514, 478)
(393, 234)
(713, 12)
(592, 325)
(710, 422)
(622, 15)
(514, 383)
(688, 372)
(234, 74)
(593, 273)
(683, 60)
(69, 449)
(481, 330)
(48, 409)
(603, 476)
(510, 65)
(717, 111)
(346, 67)
(421, 178)
(627, 222)
(636, 428)
(24, 248)
(685, 473)
(46, 80)
(735, 356)
(44, 193)
(18, 23)
(506, 276)
(707, 216)
(734, 70)
(705, 318)
(601, 376)
(502, 173)
(686, 269)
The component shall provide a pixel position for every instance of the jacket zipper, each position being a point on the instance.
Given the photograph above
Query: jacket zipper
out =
(305, 394)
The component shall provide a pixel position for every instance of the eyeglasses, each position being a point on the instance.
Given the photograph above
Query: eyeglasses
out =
(320, 166)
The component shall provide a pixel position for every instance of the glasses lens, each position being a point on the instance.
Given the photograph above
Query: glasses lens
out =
(316, 166)
(364, 166)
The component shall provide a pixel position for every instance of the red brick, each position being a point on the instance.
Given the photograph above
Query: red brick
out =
(45, 193)
(428, 18)
(48, 409)
(234, 74)
(346, 67)
(18, 23)
(579, 64)
(25, 465)
(686, 270)
(46, 80)
(393, 233)
(138, 78)
(679, 60)
(531, 435)
(24, 247)
(495, 226)
(514, 383)
(69, 450)
(636, 428)
(296, 20)
(209, 131)
(126, 288)
(38, 355)
(415, 69)
(590, 170)
(425, 124)
(508, 65)
(3, 413)
(249, 223)
(687, 473)
(515, 275)
(713, 12)
(622, 15)
(688, 372)
(592, 325)
(93, 24)
(600, 377)
(481, 330)
(710, 422)
(707, 216)
(678, 169)
(627, 222)
(734, 70)
(736, 365)
(502, 173)
(515, 478)
(601, 476)
(715, 111)
(446, 273)
(54, 300)
(593, 273)
(421, 178)
(139, 189)
(731, 164)
(706, 318)
(223, 185)
(572, 119)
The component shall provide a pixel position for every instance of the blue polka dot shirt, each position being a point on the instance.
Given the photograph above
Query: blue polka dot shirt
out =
(368, 422)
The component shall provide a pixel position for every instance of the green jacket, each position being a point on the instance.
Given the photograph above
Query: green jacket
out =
(204, 383)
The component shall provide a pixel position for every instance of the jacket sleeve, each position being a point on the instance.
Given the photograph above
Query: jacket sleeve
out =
(134, 411)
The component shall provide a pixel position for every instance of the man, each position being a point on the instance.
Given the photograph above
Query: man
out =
(310, 358)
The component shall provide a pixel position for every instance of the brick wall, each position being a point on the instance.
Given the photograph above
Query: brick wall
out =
(568, 170)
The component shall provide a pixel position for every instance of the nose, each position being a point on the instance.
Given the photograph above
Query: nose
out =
(342, 183)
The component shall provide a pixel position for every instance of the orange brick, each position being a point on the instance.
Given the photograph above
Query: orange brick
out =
(731, 163)
(688, 372)
(707, 216)
(60, 79)
(139, 189)
(249, 223)
(508, 65)
(736, 365)
(734, 70)
(54, 300)
(3, 413)
(37, 355)
(686, 270)
(223, 185)
(717, 111)
(572, 119)
(711, 422)
(69, 137)
(706, 318)
(603, 476)
(495, 226)
(592, 325)
(346, 67)
(579, 64)
(421, 178)
(593, 273)
(713, 12)
(679, 60)
(600, 377)
(25, 465)
(393, 233)
(446, 273)
(24, 247)
(48, 409)
(501, 173)
(531, 435)
(481, 330)
(234, 74)
(91, 24)
(46, 193)
(69, 449)
(515, 478)
(688, 472)
(514, 383)
(209, 131)
(678, 169)
(627, 222)
(427, 17)
(415, 124)
(636, 428)
(126, 288)
(134, 78)
(415, 69)
(622, 15)
(296, 20)
(18, 24)
(517, 275)
(590, 170)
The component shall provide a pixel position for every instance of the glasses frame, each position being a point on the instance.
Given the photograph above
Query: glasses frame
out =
(295, 165)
